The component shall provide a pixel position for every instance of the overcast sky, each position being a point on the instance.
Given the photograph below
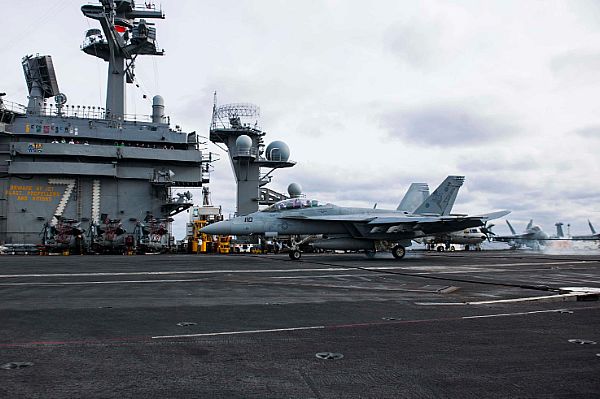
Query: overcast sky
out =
(369, 95)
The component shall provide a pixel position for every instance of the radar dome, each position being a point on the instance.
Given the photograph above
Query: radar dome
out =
(243, 143)
(158, 100)
(295, 190)
(277, 151)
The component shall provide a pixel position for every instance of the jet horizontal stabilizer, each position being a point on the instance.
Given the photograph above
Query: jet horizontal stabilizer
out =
(493, 215)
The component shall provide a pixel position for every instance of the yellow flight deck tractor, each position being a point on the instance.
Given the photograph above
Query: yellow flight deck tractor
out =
(200, 243)
(224, 244)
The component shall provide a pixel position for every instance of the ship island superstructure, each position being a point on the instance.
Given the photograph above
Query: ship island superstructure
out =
(89, 177)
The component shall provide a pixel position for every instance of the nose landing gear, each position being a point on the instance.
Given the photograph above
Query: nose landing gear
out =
(295, 254)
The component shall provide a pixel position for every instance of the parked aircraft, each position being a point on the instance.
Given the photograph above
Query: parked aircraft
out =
(471, 237)
(533, 237)
(347, 228)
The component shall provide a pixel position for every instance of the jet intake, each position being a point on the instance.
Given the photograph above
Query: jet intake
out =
(345, 243)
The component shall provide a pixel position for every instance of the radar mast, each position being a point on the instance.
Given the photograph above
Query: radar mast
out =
(122, 39)
(237, 126)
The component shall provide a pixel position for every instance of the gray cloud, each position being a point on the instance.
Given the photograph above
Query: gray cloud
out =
(588, 11)
(583, 196)
(589, 132)
(500, 184)
(577, 66)
(343, 185)
(412, 44)
(444, 126)
(488, 163)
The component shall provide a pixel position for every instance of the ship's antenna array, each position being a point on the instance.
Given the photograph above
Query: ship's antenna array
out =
(125, 34)
(233, 116)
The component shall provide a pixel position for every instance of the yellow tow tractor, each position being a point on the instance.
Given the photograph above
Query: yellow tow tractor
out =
(200, 243)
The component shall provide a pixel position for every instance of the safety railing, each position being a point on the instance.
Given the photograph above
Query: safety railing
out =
(74, 111)
(12, 106)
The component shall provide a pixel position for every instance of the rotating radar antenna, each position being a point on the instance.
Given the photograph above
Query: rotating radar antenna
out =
(235, 116)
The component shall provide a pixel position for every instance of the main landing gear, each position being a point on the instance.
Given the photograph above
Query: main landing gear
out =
(398, 251)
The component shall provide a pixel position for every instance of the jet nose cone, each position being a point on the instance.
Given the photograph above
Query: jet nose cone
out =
(220, 228)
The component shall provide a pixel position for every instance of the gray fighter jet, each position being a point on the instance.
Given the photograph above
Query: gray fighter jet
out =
(344, 228)
(533, 237)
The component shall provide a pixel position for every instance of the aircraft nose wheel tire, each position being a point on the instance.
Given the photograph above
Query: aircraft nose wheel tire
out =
(295, 254)
(398, 252)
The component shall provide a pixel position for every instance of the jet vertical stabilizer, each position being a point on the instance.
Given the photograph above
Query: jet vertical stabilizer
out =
(529, 225)
(442, 199)
(512, 230)
(416, 194)
(592, 227)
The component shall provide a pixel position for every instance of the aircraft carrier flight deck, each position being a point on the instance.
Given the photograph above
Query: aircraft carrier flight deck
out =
(492, 324)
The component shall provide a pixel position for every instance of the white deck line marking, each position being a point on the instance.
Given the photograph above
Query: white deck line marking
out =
(564, 297)
(73, 283)
(583, 290)
(512, 314)
(239, 332)
(172, 272)
(46, 283)
(321, 276)
(323, 327)
(305, 270)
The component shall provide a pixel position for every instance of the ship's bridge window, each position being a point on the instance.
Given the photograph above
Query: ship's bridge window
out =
(293, 203)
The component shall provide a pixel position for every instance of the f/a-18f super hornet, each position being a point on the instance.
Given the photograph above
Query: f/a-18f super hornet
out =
(345, 228)
(533, 237)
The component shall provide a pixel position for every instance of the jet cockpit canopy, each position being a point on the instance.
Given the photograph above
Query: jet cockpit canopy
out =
(293, 203)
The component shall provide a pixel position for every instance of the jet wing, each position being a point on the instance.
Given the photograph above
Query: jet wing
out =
(369, 218)
(515, 237)
(585, 238)
(392, 219)
(333, 218)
